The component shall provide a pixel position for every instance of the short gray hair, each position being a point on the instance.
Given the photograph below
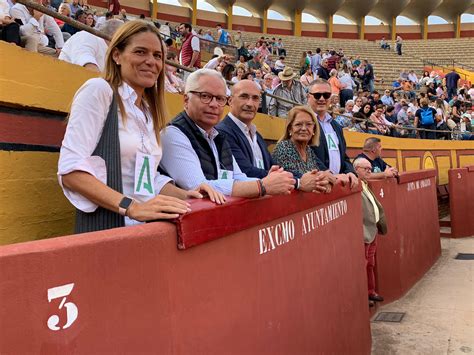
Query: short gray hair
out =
(192, 83)
(358, 161)
(111, 26)
(349, 102)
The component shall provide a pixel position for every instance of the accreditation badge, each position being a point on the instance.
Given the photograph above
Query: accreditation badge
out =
(145, 170)
(226, 174)
(332, 142)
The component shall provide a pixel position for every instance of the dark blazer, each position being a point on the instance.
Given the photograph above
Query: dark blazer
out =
(323, 153)
(242, 151)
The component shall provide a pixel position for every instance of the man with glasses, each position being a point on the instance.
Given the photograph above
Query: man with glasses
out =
(332, 146)
(194, 152)
(373, 223)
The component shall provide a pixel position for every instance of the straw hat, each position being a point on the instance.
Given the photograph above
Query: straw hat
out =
(286, 74)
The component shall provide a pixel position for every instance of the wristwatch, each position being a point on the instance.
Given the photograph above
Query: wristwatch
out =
(124, 205)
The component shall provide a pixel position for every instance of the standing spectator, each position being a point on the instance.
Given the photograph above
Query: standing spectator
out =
(374, 222)
(208, 36)
(316, 60)
(333, 61)
(414, 79)
(238, 41)
(114, 7)
(452, 83)
(347, 84)
(334, 82)
(425, 118)
(222, 35)
(290, 89)
(399, 42)
(75, 6)
(368, 77)
(304, 63)
(10, 29)
(190, 54)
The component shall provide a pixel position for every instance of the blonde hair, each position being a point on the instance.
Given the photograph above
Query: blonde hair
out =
(291, 118)
(154, 96)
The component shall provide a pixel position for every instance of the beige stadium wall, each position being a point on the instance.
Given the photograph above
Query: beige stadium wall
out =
(278, 27)
(376, 32)
(441, 31)
(248, 24)
(314, 29)
(467, 29)
(409, 31)
(345, 31)
(211, 19)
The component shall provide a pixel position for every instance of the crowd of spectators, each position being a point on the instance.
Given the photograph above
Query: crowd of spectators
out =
(429, 101)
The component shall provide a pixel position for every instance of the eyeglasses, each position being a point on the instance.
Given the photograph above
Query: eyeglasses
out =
(300, 125)
(206, 98)
(365, 168)
(246, 97)
(317, 95)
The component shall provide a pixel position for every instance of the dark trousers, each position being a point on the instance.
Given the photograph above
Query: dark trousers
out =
(345, 95)
(428, 135)
(451, 92)
(399, 48)
(11, 33)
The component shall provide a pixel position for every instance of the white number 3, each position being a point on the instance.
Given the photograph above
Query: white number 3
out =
(71, 308)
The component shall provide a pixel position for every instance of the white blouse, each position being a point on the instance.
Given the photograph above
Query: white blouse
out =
(88, 114)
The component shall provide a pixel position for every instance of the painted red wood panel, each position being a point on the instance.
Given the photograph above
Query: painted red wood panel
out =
(173, 18)
(279, 31)
(376, 36)
(322, 34)
(31, 130)
(439, 35)
(345, 35)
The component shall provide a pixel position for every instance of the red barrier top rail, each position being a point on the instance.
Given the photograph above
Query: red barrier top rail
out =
(411, 176)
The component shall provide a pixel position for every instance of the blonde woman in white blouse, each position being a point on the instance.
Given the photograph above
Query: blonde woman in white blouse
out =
(134, 75)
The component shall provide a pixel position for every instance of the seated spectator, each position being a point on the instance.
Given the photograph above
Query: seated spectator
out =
(323, 72)
(373, 223)
(194, 152)
(88, 50)
(387, 99)
(173, 83)
(344, 119)
(238, 75)
(9, 28)
(413, 79)
(90, 21)
(290, 89)
(384, 44)
(357, 104)
(81, 17)
(279, 65)
(307, 78)
(378, 119)
(372, 151)
(35, 29)
(334, 103)
(293, 151)
(263, 51)
(254, 63)
(267, 87)
(390, 115)
(281, 48)
(425, 118)
(65, 10)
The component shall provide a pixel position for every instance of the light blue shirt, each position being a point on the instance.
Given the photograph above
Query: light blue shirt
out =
(387, 100)
(334, 155)
(181, 161)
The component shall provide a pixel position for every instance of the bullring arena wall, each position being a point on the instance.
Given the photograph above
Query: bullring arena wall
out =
(173, 13)
(34, 101)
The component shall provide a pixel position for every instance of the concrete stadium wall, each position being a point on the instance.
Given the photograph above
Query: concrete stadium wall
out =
(285, 281)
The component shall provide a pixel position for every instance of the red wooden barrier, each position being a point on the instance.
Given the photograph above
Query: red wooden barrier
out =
(292, 281)
(461, 201)
(412, 244)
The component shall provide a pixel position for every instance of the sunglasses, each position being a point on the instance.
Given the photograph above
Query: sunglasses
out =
(317, 95)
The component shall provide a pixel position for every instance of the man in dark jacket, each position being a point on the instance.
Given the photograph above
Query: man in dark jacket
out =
(332, 146)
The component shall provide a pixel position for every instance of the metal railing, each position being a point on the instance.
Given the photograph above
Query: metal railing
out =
(102, 35)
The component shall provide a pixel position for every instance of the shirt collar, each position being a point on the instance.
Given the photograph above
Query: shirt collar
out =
(126, 92)
(214, 133)
(327, 118)
(252, 129)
